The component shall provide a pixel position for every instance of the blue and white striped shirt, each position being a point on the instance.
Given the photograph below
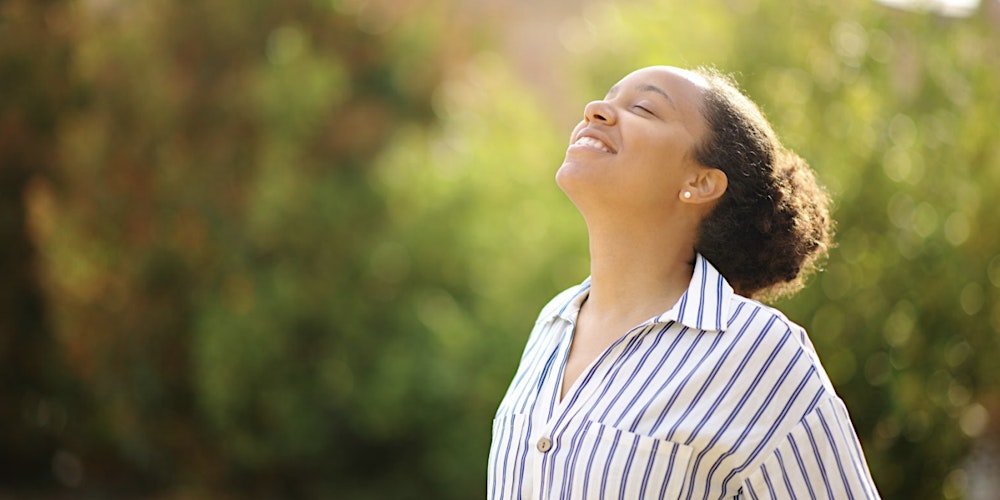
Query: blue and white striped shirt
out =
(718, 397)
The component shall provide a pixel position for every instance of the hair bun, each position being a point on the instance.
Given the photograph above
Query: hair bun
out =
(772, 227)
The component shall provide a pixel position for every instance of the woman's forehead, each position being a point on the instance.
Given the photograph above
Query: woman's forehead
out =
(680, 79)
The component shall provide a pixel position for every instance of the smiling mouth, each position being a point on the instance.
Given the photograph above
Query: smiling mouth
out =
(590, 142)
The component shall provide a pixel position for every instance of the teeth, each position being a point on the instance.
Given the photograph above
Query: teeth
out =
(594, 143)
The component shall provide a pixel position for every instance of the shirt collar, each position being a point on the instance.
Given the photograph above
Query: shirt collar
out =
(571, 308)
(704, 305)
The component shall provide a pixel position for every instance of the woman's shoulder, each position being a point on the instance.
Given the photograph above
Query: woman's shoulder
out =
(771, 329)
(758, 318)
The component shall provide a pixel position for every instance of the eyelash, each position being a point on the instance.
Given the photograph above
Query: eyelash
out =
(642, 108)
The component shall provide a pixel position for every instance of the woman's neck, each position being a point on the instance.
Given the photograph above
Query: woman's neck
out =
(637, 272)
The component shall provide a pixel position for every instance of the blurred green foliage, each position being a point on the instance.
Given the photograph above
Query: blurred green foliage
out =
(255, 249)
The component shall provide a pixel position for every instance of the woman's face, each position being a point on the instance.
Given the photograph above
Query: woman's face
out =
(633, 150)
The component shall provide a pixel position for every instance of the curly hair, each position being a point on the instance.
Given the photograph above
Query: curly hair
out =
(772, 227)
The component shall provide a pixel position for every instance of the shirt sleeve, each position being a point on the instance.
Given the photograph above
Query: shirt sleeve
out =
(819, 458)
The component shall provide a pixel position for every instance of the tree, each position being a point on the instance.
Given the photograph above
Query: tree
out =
(33, 87)
(204, 238)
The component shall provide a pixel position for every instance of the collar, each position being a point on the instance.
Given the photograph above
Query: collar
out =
(703, 306)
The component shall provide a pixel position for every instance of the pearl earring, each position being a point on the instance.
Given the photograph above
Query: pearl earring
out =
(687, 195)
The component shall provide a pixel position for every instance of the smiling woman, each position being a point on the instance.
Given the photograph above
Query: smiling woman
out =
(660, 376)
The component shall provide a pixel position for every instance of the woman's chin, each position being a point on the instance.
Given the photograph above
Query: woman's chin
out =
(568, 177)
(579, 186)
(573, 174)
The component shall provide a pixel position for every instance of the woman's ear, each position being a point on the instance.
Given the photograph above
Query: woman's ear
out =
(705, 186)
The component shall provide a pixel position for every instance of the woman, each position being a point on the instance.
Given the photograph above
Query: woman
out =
(659, 376)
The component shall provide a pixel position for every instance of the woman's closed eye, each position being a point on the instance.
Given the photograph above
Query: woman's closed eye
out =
(643, 109)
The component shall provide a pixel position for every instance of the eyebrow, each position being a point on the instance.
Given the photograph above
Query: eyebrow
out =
(646, 88)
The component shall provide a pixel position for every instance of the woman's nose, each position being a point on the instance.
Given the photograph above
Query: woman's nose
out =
(599, 111)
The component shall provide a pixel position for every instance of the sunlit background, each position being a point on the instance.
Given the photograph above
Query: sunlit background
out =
(257, 249)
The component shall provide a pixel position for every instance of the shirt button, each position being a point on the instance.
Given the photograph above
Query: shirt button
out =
(544, 444)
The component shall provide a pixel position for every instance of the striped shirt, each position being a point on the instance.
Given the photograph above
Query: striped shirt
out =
(718, 397)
